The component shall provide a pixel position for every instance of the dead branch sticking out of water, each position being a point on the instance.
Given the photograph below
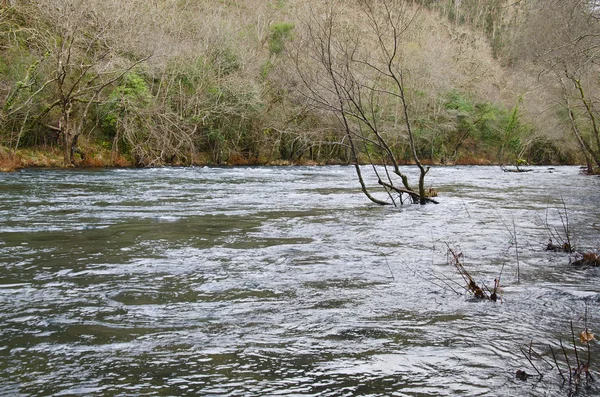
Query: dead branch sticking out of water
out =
(480, 292)
(572, 366)
(588, 259)
(561, 237)
(522, 375)
(514, 241)
(516, 169)
(564, 247)
(581, 368)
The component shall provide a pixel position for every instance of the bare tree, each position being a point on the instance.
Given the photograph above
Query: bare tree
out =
(562, 39)
(359, 77)
(80, 63)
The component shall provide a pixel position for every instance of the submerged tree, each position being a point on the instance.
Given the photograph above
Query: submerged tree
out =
(356, 72)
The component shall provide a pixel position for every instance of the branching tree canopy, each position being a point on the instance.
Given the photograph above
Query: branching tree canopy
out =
(385, 82)
(562, 38)
(359, 77)
(79, 63)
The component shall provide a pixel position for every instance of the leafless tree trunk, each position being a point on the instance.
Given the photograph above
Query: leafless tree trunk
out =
(588, 151)
(364, 87)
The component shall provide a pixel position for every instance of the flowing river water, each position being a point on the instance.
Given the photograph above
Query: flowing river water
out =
(288, 281)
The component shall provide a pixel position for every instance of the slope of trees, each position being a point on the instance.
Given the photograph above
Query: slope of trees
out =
(106, 82)
(560, 40)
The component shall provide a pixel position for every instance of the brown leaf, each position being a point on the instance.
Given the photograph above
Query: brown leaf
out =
(586, 336)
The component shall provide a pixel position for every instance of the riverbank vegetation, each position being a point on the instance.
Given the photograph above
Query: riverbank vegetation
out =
(138, 83)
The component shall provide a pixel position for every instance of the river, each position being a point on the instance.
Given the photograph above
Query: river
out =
(287, 281)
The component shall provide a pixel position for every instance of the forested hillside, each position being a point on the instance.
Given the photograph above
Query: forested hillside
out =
(146, 83)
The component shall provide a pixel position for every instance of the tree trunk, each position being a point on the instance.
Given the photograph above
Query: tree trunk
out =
(63, 125)
(595, 132)
(586, 148)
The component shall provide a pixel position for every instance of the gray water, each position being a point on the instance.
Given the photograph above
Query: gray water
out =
(287, 281)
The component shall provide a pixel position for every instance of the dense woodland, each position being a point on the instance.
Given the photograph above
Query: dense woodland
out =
(146, 83)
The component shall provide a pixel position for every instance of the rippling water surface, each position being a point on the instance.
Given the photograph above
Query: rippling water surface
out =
(287, 281)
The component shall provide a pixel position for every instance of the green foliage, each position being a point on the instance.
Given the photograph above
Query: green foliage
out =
(472, 131)
(227, 122)
(133, 88)
(225, 61)
(280, 32)
(457, 101)
(206, 92)
(22, 74)
(265, 69)
(545, 151)
(126, 99)
(23, 77)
